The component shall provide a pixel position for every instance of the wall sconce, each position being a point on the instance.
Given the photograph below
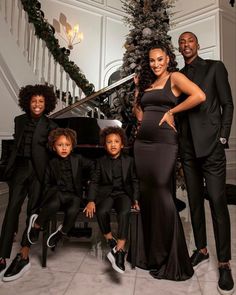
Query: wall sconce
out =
(71, 35)
(74, 36)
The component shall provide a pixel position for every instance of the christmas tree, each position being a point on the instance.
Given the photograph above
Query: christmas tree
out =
(149, 23)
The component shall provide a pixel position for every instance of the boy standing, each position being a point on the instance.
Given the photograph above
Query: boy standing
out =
(25, 171)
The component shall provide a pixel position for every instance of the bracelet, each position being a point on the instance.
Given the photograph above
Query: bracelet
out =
(170, 113)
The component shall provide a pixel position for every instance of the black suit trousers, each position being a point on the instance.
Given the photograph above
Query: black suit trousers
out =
(207, 171)
(23, 183)
(64, 201)
(122, 206)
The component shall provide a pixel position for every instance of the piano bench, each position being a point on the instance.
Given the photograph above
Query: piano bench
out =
(52, 225)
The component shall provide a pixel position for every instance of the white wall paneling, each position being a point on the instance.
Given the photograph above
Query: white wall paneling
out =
(104, 34)
(185, 10)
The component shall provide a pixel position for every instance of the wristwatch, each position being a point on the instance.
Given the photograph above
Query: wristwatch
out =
(223, 140)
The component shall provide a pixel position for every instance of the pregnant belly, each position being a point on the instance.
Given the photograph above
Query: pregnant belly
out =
(150, 131)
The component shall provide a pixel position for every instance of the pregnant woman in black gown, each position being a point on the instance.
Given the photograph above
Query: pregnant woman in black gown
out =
(155, 149)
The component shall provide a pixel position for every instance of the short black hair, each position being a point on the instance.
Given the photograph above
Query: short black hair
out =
(56, 133)
(112, 130)
(27, 92)
(187, 32)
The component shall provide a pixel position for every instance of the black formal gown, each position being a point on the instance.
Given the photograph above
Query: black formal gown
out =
(161, 244)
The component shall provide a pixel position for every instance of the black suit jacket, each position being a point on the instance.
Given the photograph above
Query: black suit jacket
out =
(82, 169)
(213, 118)
(101, 184)
(40, 154)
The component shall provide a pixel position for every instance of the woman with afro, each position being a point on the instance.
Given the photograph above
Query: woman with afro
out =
(25, 171)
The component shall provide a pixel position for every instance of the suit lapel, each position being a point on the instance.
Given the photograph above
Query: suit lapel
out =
(56, 168)
(40, 129)
(107, 167)
(200, 73)
(22, 129)
(125, 166)
(74, 166)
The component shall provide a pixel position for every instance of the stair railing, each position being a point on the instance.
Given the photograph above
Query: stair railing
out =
(38, 56)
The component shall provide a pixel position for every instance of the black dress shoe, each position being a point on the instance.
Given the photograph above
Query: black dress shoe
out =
(226, 282)
(198, 258)
(16, 269)
(117, 259)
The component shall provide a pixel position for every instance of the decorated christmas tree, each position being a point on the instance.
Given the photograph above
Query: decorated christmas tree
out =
(148, 21)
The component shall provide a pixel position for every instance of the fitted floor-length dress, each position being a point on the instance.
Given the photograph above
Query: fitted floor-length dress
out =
(155, 151)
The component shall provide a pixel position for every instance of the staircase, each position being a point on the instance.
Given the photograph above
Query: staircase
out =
(42, 66)
(30, 52)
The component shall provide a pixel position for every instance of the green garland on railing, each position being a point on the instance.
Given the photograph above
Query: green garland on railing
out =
(46, 32)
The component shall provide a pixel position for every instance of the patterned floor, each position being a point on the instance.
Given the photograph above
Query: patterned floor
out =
(80, 267)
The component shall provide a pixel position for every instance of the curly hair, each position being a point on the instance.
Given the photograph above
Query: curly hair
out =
(56, 133)
(27, 92)
(112, 130)
(146, 75)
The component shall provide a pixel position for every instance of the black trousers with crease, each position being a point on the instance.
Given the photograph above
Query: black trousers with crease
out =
(122, 206)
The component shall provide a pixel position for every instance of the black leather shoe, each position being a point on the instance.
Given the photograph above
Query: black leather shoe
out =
(226, 282)
(55, 237)
(32, 232)
(198, 258)
(112, 243)
(117, 259)
(16, 269)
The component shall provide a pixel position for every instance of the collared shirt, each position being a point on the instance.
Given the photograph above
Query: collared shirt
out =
(117, 179)
(66, 178)
(189, 69)
(25, 149)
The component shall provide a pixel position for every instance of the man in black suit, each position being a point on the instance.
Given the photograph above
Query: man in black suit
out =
(25, 171)
(203, 134)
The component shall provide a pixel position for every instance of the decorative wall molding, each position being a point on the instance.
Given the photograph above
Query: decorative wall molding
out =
(103, 40)
(186, 10)
(110, 69)
(111, 7)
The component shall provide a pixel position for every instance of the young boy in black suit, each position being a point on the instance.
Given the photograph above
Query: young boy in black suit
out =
(62, 186)
(25, 171)
(114, 185)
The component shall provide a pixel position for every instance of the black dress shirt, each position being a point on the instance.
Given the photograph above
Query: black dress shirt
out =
(25, 148)
(117, 180)
(66, 178)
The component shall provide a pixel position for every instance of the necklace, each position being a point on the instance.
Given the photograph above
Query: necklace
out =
(157, 82)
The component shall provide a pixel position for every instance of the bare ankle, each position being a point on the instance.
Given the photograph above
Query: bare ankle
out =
(224, 264)
(36, 225)
(203, 251)
(24, 252)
